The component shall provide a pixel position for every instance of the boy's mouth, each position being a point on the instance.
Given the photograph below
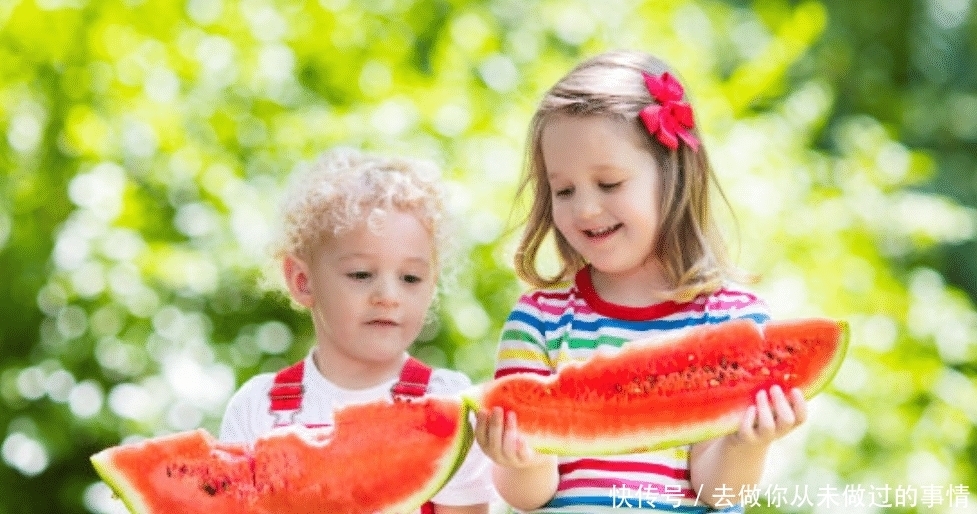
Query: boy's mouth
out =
(382, 322)
(602, 232)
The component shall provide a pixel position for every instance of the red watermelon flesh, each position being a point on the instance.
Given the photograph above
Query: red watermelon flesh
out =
(360, 467)
(386, 457)
(655, 394)
(185, 472)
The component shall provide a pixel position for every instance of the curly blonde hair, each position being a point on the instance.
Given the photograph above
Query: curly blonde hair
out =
(689, 244)
(346, 187)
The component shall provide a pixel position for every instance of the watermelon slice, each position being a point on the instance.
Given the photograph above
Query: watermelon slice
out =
(655, 394)
(385, 456)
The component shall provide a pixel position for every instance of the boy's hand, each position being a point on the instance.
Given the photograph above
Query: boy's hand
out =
(772, 416)
(498, 435)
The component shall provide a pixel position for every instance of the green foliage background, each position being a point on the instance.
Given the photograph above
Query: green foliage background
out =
(145, 141)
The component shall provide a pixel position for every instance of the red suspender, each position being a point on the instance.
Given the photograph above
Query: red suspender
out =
(286, 392)
(414, 378)
(413, 381)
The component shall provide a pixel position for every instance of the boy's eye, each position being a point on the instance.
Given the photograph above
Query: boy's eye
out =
(412, 279)
(609, 187)
(567, 191)
(359, 275)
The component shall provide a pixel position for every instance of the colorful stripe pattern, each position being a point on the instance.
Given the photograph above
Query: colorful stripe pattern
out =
(548, 329)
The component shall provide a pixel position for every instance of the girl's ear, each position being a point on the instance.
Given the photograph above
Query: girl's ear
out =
(297, 279)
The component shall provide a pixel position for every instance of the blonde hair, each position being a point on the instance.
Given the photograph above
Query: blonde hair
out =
(690, 247)
(346, 187)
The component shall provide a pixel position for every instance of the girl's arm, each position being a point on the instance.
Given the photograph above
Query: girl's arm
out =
(525, 479)
(723, 466)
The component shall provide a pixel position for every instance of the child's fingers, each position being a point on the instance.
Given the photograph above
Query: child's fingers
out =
(496, 426)
(492, 433)
(783, 412)
(497, 433)
(481, 428)
(799, 403)
(510, 438)
(765, 422)
(748, 425)
(523, 452)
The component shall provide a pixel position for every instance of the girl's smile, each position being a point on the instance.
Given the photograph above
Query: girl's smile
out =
(602, 233)
(604, 186)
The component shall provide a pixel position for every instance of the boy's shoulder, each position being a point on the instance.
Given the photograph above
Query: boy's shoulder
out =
(448, 381)
(257, 385)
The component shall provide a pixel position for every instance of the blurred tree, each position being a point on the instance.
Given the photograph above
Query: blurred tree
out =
(911, 69)
(145, 141)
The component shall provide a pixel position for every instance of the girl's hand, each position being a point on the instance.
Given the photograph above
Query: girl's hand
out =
(498, 435)
(772, 416)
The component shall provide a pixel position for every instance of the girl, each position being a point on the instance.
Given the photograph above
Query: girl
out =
(362, 244)
(621, 181)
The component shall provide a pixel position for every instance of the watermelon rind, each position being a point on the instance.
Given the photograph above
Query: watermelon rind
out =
(116, 479)
(129, 496)
(832, 368)
(449, 463)
(650, 440)
(472, 396)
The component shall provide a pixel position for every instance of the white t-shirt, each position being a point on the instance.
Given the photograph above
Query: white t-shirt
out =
(248, 416)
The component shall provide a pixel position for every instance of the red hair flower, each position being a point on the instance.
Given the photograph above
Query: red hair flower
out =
(670, 119)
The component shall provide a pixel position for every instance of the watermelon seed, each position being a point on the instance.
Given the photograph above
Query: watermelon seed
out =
(713, 382)
(736, 365)
(209, 489)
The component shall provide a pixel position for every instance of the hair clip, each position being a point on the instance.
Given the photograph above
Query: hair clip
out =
(670, 119)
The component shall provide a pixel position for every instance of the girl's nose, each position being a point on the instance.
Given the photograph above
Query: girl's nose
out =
(586, 206)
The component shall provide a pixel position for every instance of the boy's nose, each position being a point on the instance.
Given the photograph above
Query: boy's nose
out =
(385, 293)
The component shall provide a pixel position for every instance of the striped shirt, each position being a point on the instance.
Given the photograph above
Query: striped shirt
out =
(549, 328)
